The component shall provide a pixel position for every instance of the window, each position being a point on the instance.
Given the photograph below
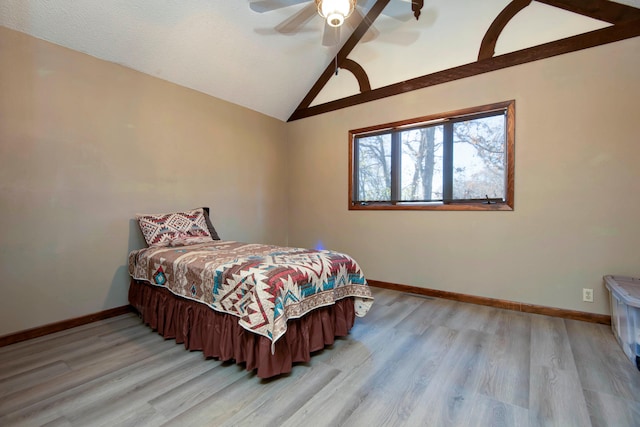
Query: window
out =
(461, 160)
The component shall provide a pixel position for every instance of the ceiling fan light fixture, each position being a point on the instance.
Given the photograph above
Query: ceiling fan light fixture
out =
(335, 11)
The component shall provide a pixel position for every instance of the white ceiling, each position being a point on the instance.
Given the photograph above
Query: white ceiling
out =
(225, 49)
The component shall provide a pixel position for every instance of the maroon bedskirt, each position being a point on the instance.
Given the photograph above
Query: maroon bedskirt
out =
(219, 335)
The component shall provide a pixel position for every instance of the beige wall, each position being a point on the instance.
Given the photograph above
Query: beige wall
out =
(84, 145)
(577, 186)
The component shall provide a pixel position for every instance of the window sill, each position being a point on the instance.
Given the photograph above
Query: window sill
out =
(431, 207)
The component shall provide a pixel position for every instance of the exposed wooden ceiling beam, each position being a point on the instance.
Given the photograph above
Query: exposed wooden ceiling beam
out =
(488, 45)
(603, 10)
(571, 44)
(625, 20)
(358, 72)
(351, 43)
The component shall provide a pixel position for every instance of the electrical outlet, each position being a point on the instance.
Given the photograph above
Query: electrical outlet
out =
(587, 294)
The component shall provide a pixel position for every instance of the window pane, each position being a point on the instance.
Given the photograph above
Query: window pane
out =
(421, 177)
(374, 168)
(479, 158)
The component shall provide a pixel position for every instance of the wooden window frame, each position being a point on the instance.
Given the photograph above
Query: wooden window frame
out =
(506, 205)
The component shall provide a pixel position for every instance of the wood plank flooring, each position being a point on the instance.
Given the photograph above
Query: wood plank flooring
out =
(412, 361)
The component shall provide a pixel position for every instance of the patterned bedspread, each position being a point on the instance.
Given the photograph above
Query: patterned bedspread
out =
(262, 285)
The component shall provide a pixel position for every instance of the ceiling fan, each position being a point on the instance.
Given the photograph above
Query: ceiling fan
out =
(331, 34)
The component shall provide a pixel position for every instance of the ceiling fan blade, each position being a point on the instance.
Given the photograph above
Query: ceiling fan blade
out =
(400, 10)
(292, 24)
(354, 20)
(401, 38)
(330, 35)
(362, 4)
(262, 6)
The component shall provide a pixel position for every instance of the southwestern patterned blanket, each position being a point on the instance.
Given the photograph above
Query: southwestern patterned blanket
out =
(262, 285)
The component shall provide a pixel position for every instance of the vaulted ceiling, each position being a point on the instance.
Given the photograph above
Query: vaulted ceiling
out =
(272, 59)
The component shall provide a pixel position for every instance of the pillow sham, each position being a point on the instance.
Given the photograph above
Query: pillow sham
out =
(161, 229)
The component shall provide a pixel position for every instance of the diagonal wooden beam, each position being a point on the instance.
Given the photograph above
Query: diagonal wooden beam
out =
(349, 45)
(603, 10)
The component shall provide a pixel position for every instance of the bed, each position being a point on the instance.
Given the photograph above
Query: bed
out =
(263, 306)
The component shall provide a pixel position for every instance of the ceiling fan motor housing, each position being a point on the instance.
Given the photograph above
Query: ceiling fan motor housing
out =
(335, 19)
(335, 11)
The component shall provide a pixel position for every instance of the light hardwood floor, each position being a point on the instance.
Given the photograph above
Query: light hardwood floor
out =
(412, 361)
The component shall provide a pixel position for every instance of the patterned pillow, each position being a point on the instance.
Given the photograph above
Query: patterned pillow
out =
(162, 229)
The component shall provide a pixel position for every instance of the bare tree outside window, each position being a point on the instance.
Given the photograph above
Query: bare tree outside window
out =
(479, 158)
(421, 164)
(374, 166)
